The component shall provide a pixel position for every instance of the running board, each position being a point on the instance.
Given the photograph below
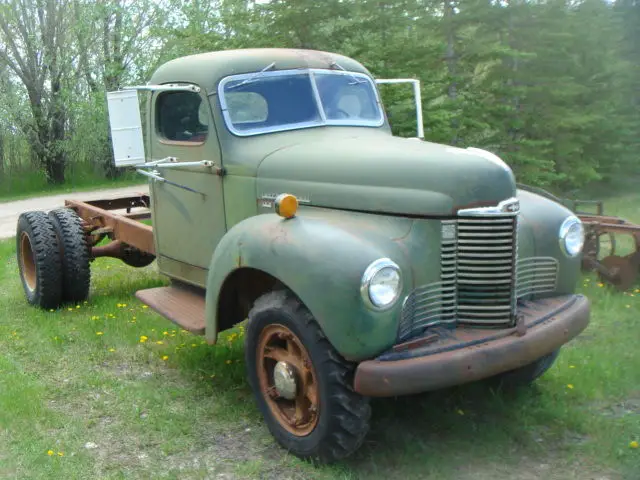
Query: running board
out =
(183, 305)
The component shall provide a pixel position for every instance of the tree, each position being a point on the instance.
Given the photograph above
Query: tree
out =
(33, 45)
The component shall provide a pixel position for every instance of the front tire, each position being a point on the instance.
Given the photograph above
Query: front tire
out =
(302, 386)
(39, 261)
(526, 375)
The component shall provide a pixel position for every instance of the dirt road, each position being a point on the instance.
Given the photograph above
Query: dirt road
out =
(10, 211)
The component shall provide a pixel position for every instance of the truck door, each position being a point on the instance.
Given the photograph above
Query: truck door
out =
(188, 209)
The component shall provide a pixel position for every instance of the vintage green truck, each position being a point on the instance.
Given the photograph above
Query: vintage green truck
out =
(367, 265)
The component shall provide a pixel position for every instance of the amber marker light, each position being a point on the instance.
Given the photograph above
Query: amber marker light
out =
(286, 205)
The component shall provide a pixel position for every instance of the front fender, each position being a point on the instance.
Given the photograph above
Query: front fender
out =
(540, 220)
(321, 257)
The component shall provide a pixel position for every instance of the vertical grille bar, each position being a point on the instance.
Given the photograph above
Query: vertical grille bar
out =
(485, 269)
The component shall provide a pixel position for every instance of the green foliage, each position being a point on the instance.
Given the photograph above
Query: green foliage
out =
(550, 86)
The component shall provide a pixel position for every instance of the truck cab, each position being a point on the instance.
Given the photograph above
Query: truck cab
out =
(365, 264)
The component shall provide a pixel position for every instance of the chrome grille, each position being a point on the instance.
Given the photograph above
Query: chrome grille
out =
(485, 270)
(477, 277)
(536, 275)
(431, 304)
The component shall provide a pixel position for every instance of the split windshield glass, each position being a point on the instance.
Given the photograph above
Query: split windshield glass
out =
(273, 101)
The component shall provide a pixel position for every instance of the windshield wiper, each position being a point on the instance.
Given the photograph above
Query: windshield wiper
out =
(253, 77)
(353, 77)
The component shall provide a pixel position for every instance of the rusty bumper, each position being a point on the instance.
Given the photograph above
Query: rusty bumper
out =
(467, 354)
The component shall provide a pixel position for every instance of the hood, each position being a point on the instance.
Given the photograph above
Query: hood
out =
(386, 174)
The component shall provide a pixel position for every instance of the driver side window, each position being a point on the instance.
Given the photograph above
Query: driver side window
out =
(182, 117)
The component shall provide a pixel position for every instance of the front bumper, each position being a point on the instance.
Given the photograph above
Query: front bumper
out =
(454, 357)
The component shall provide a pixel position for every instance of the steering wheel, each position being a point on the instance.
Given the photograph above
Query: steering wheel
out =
(341, 113)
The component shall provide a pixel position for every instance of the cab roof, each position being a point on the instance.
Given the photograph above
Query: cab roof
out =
(207, 69)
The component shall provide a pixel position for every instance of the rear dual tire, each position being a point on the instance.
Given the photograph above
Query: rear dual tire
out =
(53, 258)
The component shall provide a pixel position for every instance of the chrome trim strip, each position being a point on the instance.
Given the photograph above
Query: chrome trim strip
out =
(510, 206)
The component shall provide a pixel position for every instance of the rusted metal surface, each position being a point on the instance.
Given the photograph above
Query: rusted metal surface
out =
(118, 227)
(182, 304)
(467, 354)
(600, 249)
(599, 252)
(112, 249)
(28, 262)
(621, 272)
(278, 347)
(122, 203)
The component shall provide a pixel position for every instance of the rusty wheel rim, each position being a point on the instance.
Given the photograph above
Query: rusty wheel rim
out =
(277, 345)
(27, 261)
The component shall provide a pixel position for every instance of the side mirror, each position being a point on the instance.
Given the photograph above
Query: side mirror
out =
(126, 128)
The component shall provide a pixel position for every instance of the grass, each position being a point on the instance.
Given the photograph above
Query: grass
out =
(26, 183)
(110, 390)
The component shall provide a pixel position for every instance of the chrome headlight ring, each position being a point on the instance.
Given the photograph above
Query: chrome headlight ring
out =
(381, 284)
(571, 236)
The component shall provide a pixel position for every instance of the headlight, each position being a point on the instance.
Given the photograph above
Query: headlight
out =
(381, 284)
(571, 236)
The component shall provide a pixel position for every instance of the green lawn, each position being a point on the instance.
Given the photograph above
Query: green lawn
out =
(108, 389)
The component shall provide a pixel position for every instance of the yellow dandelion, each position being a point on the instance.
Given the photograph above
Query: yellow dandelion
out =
(228, 362)
(70, 309)
(77, 306)
(165, 333)
(112, 349)
(160, 342)
(601, 284)
(133, 318)
(143, 338)
(570, 386)
(95, 317)
(99, 333)
(165, 357)
(50, 452)
(145, 306)
(634, 444)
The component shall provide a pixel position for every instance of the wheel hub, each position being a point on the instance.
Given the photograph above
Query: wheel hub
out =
(284, 379)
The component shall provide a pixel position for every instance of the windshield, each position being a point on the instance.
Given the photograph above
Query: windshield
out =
(265, 102)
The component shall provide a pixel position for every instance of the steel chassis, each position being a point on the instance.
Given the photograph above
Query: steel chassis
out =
(101, 220)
